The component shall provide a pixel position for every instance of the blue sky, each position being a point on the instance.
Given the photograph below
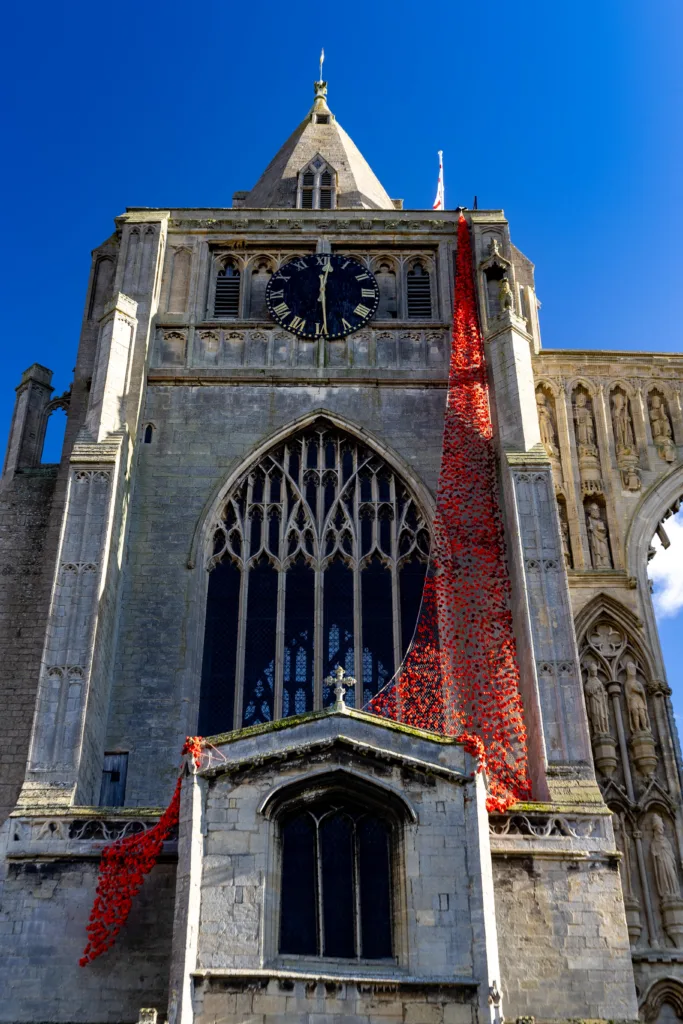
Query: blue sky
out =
(568, 116)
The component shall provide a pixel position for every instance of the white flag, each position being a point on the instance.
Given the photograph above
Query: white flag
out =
(440, 202)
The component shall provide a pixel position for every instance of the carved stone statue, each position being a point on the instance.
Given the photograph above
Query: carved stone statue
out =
(546, 425)
(623, 430)
(636, 700)
(661, 428)
(596, 701)
(566, 545)
(585, 428)
(505, 295)
(598, 537)
(664, 861)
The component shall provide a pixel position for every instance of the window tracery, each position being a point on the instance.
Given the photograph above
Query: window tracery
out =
(317, 186)
(636, 770)
(336, 881)
(319, 558)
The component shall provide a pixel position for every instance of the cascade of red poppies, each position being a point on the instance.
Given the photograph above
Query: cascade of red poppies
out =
(460, 675)
(123, 867)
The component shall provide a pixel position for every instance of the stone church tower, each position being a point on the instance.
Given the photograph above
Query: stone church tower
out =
(244, 502)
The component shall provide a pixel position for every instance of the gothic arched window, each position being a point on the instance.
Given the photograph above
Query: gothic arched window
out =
(227, 301)
(319, 559)
(336, 882)
(317, 186)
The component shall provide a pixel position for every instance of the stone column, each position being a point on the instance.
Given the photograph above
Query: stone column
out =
(25, 445)
(187, 899)
(559, 744)
(65, 756)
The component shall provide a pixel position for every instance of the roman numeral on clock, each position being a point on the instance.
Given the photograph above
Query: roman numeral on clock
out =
(361, 310)
(278, 295)
(367, 293)
(362, 277)
(297, 324)
(346, 325)
(281, 310)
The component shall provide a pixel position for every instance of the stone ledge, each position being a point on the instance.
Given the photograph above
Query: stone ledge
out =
(206, 378)
(265, 974)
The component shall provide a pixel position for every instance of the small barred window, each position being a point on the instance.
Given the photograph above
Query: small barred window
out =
(227, 302)
(419, 293)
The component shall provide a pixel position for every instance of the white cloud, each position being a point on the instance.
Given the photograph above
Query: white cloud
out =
(666, 570)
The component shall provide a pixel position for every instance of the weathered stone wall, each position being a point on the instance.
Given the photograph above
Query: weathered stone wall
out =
(203, 434)
(319, 1001)
(444, 944)
(563, 945)
(26, 561)
(45, 908)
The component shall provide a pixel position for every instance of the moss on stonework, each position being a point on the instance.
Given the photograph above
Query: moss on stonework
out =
(313, 716)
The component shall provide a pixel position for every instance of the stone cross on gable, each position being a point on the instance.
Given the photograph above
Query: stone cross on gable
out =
(341, 682)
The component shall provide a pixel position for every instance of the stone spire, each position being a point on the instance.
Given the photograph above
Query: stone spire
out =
(318, 135)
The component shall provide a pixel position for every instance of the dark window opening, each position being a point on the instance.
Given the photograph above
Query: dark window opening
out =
(323, 119)
(336, 883)
(113, 787)
(419, 293)
(227, 303)
(217, 700)
(149, 432)
(259, 648)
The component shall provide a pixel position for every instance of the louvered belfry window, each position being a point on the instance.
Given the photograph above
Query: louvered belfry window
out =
(227, 302)
(307, 191)
(319, 558)
(326, 191)
(316, 186)
(419, 293)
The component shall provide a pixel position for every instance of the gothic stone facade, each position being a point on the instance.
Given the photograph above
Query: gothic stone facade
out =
(567, 907)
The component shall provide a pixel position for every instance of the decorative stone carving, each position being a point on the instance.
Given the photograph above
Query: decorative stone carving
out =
(211, 342)
(662, 434)
(607, 640)
(597, 706)
(505, 297)
(665, 870)
(627, 454)
(546, 425)
(173, 348)
(589, 458)
(631, 903)
(636, 700)
(642, 742)
(598, 537)
(564, 533)
(596, 701)
(663, 861)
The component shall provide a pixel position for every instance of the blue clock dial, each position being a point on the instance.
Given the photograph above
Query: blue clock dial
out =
(322, 295)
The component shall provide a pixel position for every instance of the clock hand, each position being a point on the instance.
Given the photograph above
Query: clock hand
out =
(322, 296)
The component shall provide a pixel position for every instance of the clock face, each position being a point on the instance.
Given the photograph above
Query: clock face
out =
(322, 295)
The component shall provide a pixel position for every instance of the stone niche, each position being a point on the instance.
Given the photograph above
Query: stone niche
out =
(239, 951)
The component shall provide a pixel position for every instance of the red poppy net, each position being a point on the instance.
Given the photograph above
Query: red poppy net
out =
(124, 865)
(460, 675)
